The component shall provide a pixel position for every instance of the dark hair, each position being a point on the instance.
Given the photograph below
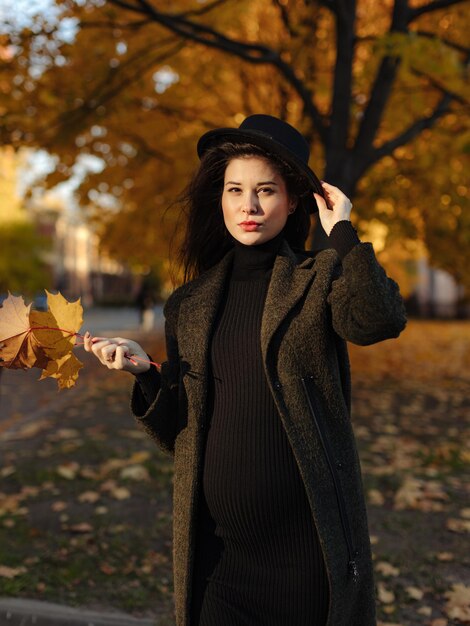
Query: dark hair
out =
(207, 239)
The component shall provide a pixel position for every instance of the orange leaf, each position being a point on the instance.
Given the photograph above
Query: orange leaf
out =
(19, 348)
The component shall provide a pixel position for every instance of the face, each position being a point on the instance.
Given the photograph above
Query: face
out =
(255, 202)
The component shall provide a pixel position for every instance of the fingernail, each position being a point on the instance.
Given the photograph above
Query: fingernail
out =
(87, 334)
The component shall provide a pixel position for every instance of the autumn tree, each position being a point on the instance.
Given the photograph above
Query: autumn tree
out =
(377, 88)
(22, 247)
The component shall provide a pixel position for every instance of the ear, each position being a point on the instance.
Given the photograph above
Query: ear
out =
(293, 205)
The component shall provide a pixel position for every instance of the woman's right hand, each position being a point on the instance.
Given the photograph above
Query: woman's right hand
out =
(117, 353)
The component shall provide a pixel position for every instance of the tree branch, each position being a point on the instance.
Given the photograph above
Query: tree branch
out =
(455, 96)
(203, 10)
(128, 7)
(432, 6)
(447, 42)
(382, 86)
(127, 26)
(285, 17)
(412, 131)
(253, 53)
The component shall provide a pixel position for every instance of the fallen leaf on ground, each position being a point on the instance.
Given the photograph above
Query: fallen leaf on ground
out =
(387, 569)
(9, 503)
(414, 593)
(7, 471)
(457, 525)
(120, 493)
(384, 595)
(28, 430)
(59, 506)
(425, 610)
(68, 470)
(135, 472)
(89, 496)
(420, 494)
(458, 602)
(11, 572)
(83, 527)
(374, 496)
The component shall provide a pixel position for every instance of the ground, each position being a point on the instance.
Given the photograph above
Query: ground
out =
(85, 497)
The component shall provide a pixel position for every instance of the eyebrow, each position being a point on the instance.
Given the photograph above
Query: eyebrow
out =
(266, 182)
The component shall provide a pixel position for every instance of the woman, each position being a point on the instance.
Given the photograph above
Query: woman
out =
(270, 524)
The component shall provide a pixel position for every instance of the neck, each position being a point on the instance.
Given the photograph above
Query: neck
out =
(255, 261)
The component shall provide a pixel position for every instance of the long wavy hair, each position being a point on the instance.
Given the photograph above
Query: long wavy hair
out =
(206, 239)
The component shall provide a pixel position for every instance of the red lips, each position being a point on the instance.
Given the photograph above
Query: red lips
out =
(249, 223)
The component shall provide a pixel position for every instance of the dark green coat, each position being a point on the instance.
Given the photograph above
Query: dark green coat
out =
(313, 306)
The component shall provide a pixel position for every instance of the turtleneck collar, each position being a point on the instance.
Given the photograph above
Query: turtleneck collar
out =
(255, 261)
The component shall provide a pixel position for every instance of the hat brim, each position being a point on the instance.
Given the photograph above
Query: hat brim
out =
(219, 135)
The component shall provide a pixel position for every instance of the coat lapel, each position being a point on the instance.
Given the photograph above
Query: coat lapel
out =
(288, 283)
(196, 318)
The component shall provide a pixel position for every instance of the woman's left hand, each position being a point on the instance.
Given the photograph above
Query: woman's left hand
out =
(336, 208)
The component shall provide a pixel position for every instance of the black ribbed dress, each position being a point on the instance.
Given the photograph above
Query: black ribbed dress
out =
(258, 560)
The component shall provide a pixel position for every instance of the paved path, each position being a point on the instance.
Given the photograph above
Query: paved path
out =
(104, 319)
(19, 612)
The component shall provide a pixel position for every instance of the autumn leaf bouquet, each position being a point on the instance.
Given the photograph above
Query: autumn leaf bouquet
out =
(44, 339)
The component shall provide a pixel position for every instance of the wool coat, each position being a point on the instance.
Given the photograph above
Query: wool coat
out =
(315, 304)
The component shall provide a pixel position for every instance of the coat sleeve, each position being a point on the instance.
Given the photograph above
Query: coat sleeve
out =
(366, 304)
(159, 418)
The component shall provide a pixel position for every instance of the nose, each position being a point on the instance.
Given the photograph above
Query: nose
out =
(250, 203)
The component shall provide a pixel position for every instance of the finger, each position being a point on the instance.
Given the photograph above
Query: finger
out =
(322, 203)
(109, 353)
(97, 348)
(120, 360)
(328, 186)
(87, 341)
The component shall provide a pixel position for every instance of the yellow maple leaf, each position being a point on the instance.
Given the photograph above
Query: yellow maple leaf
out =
(55, 329)
(65, 369)
(42, 339)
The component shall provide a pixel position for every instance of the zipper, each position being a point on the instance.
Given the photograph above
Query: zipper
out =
(309, 388)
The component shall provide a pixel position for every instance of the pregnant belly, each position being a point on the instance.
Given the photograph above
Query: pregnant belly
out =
(251, 482)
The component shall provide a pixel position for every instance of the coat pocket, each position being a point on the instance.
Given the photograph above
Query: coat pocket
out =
(311, 395)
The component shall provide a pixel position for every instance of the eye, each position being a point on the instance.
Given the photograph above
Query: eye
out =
(234, 189)
(266, 190)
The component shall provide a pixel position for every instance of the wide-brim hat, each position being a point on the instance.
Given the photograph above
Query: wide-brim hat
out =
(273, 135)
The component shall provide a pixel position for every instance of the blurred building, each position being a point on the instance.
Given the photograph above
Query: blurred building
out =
(437, 294)
(72, 257)
(79, 267)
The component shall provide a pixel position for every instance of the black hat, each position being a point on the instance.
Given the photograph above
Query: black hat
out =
(273, 135)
